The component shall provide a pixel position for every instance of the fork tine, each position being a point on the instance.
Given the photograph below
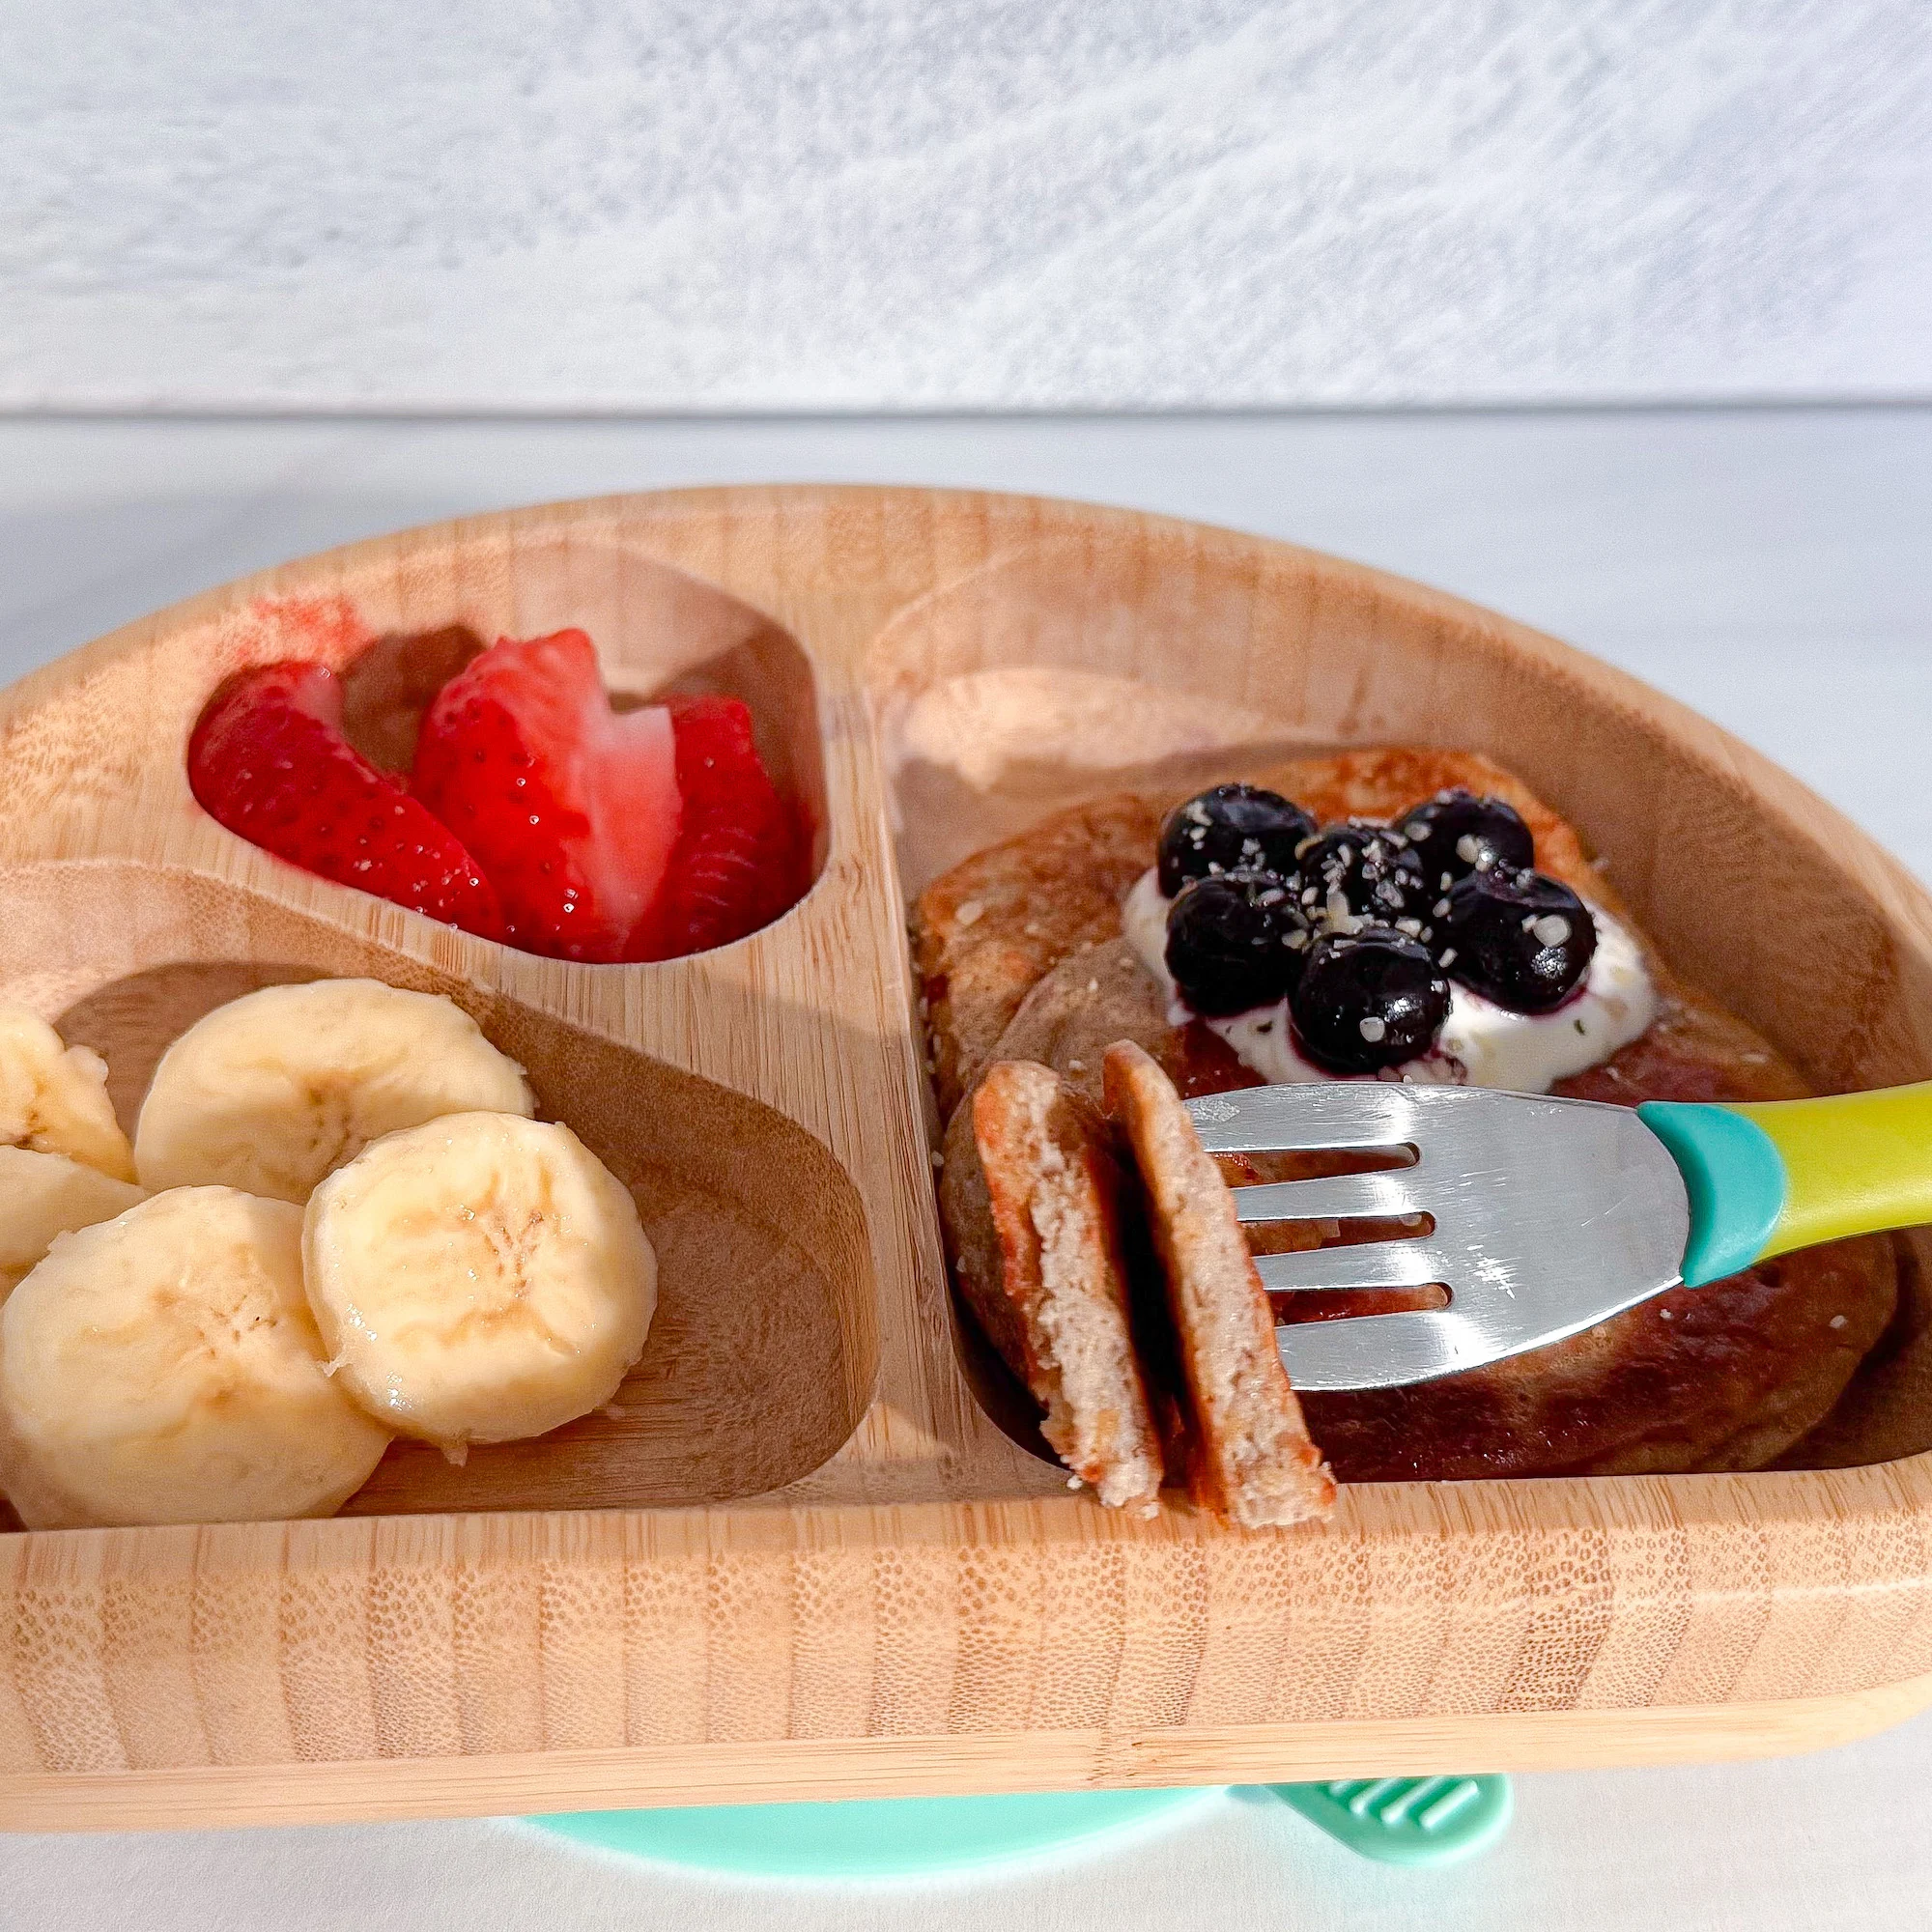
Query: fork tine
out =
(1553, 1213)
(1351, 1114)
(1367, 1264)
(1334, 1197)
(1369, 1351)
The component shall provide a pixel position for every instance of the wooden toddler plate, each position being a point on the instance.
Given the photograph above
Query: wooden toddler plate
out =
(804, 1561)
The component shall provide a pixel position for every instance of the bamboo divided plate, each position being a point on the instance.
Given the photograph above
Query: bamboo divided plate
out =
(806, 1561)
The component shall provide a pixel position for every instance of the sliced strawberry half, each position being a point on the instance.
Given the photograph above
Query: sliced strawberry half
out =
(268, 759)
(740, 857)
(571, 807)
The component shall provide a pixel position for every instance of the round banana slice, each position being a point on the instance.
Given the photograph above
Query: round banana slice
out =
(164, 1367)
(479, 1278)
(53, 1098)
(42, 1195)
(279, 1088)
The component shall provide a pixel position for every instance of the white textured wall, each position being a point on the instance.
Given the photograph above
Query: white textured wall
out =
(891, 203)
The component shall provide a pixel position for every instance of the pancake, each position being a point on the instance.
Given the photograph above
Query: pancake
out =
(985, 933)
(1242, 1437)
(1728, 1376)
(1032, 1183)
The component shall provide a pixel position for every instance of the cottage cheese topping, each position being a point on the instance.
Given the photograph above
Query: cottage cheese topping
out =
(1482, 1044)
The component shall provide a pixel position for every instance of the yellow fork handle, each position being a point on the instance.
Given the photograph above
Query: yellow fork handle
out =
(1854, 1163)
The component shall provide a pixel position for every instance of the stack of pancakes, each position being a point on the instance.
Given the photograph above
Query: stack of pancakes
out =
(1027, 982)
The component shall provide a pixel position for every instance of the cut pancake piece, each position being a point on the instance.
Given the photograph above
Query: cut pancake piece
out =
(1032, 1184)
(1250, 1457)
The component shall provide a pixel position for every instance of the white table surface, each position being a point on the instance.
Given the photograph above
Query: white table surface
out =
(1773, 569)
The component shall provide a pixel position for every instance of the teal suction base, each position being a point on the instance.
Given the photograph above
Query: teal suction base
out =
(1410, 1821)
(868, 1838)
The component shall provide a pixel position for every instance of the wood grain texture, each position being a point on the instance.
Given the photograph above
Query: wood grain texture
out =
(1421, 202)
(803, 1559)
(944, 1766)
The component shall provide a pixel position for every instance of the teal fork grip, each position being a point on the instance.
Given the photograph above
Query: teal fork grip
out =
(1407, 1821)
(1765, 1177)
(1734, 1177)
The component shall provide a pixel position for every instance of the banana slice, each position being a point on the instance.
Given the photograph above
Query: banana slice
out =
(164, 1367)
(281, 1087)
(42, 1195)
(53, 1098)
(479, 1278)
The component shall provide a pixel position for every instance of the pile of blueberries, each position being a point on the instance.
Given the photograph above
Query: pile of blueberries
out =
(1361, 926)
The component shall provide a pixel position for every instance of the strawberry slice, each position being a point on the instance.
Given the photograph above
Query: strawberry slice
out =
(739, 859)
(268, 759)
(571, 807)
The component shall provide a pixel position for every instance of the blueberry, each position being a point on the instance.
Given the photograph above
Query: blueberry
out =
(1369, 867)
(1230, 828)
(1517, 938)
(1456, 833)
(1235, 940)
(1368, 998)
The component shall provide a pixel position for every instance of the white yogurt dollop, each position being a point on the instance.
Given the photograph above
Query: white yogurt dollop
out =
(1482, 1044)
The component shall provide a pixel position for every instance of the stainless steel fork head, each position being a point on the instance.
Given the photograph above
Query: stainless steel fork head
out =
(1550, 1217)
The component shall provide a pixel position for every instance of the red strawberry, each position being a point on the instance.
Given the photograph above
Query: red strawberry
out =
(739, 859)
(269, 760)
(571, 807)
